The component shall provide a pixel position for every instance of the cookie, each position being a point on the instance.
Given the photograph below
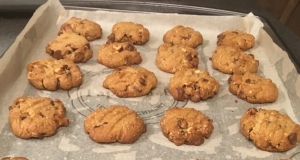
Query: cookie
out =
(130, 81)
(186, 126)
(89, 29)
(253, 88)
(270, 130)
(129, 32)
(231, 59)
(116, 54)
(14, 158)
(242, 39)
(181, 35)
(193, 84)
(171, 58)
(70, 46)
(36, 117)
(114, 124)
(52, 74)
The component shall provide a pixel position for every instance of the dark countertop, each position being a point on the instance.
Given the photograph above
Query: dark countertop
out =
(14, 16)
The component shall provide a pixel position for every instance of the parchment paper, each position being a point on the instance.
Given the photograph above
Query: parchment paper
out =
(226, 141)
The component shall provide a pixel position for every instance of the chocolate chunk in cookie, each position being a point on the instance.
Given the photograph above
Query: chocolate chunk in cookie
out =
(193, 84)
(231, 59)
(181, 35)
(52, 74)
(14, 158)
(89, 29)
(186, 126)
(130, 81)
(114, 124)
(70, 46)
(270, 130)
(171, 58)
(243, 40)
(253, 88)
(116, 54)
(36, 117)
(129, 32)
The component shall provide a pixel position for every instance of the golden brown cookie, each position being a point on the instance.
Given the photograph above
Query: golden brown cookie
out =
(193, 84)
(230, 59)
(14, 158)
(70, 46)
(270, 130)
(89, 29)
(130, 81)
(171, 58)
(186, 126)
(114, 124)
(253, 88)
(242, 39)
(52, 74)
(129, 32)
(181, 35)
(116, 54)
(36, 117)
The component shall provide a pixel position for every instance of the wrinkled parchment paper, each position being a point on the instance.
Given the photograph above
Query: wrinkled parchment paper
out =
(226, 141)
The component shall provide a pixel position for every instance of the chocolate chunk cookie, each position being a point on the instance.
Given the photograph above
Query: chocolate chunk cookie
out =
(114, 124)
(14, 158)
(193, 84)
(89, 29)
(36, 117)
(116, 54)
(186, 126)
(129, 32)
(231, 59)
(52, 74)
(253, 88)
(243, 40)
(171, 58)
(181, 35)
(270, 130)
(70, 46)
(130, 81)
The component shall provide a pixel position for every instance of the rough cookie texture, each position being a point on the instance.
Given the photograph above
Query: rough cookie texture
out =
(181, 35)
(36, 117)
(186, 126)
(130, 81)
(116, 54)
(114, 124)
(243, 40)
(171, 58)
(270, 130)
(70, 46)
(193, 84)
(52, 74)
(89, 29)
(14, 158)
(253, 88)
(230, 59)
(129, 32)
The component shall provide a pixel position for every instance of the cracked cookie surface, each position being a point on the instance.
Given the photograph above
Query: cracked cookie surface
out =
(52, 74)
(114, 124)
(242, 39)
(116, 54)
(181, 35)
(270, 130)
(70, 46)
(171, 58)
(253, 88)
(230, 59)
(84, 27)
(130, 81)
(186, 126)
(36, 117)
(133, 33)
